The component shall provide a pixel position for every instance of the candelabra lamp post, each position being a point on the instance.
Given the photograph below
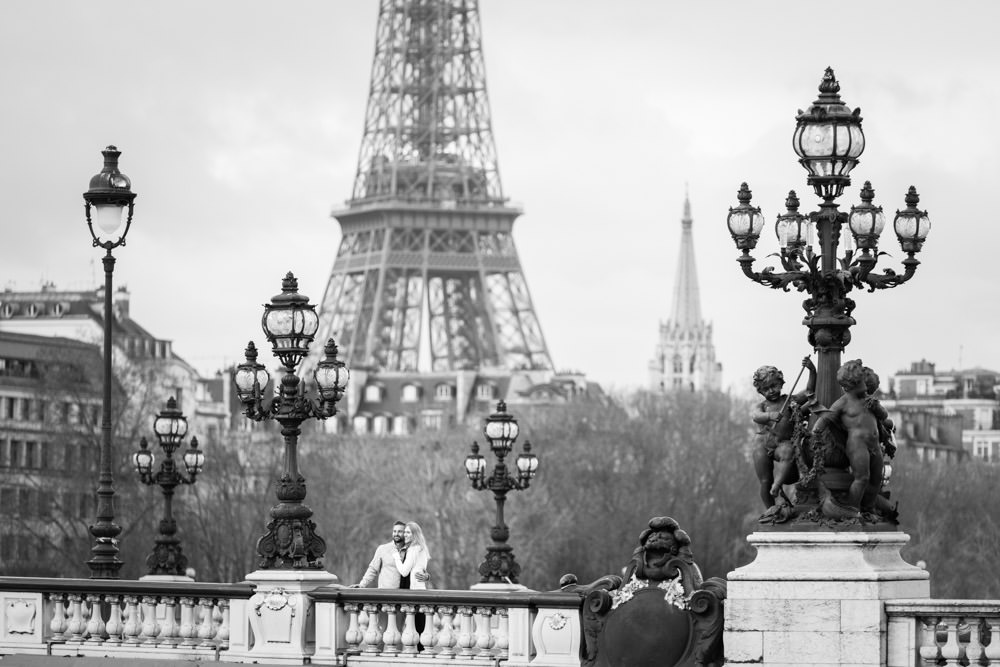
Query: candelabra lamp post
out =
(170, 426)
(828, 140)
(501, 431)
(109, 203)
(290, 323)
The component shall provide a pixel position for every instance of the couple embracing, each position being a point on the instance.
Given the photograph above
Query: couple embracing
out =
(401, 563)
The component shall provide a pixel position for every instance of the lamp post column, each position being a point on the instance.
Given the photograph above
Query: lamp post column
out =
(110, 196)
(105, 563)
(829, 320)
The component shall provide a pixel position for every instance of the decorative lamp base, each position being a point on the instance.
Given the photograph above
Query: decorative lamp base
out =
(818, 597)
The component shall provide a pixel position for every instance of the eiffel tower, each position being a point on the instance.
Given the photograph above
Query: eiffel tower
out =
(427, 278)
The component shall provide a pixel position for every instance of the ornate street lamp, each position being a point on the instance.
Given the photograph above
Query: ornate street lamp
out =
(290, 323)
(170, 427)
(501, 431)
(828, 140)
(110, 199)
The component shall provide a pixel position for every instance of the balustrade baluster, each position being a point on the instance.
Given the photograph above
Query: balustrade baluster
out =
(502, 642)
(76, 625)
(409, 638)
(373, 633)
(992, 651)
(222, 636)
(354, 634)
(484, 636)
(206, 630)
(391, 636)
(428, 637)
(951, 651)
(169, 627)
(150, 628)
(115, 626)
(58, 624)
(187, 631)
(974, 649)
(95, 624)
(131, 620)
(466, 639)
(446, 635)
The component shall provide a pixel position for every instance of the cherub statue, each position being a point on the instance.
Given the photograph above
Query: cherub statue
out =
(859, 417)
(773, 452)
(886, 428)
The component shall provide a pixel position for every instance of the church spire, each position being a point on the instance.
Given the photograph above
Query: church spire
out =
(685, 355)
(686, 311)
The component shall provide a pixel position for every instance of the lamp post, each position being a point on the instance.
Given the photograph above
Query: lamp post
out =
(170, 427)
(290, 323)
(501, 431)
(828, 140)
(111, 199)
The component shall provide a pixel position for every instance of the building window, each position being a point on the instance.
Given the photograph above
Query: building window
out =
(981, 450)
(678, 364)
(400, 425)
(373, 393)
(380, 425)
(411, 393)
(361, 424)
(444, 392)
(486, 391)
(432, 419)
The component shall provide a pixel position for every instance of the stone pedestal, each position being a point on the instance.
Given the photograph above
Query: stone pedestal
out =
(280, 616)
(816, 598)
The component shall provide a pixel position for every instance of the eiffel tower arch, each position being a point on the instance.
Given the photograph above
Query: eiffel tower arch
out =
(427, 281)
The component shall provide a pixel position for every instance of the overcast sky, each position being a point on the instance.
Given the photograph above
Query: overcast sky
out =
(239, 124)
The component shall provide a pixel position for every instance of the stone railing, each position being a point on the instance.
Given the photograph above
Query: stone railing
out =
(943, 632)
(116, 619)
(377, 626)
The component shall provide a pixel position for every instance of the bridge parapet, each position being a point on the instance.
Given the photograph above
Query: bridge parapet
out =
(185, 621)
(117, 619)
(372, 626)
(943, 632)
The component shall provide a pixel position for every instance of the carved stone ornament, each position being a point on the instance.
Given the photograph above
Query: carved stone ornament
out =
(660, 612)
(557, 621)
(276, 600)
(21, 617)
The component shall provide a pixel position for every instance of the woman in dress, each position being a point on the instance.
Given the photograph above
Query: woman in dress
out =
(417, 555)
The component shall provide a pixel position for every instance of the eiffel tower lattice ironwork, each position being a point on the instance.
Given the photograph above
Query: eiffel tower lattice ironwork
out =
(427, 277)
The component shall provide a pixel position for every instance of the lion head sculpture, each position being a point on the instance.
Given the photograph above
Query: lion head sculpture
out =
(663, 548)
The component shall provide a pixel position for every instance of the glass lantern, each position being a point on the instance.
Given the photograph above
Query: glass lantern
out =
(828, 140)
(912, 224)
(110, 199)
(250, 377)
(791, 227)
(143, 459)
(475, 464)
(500, 430)
(745, 221)
(290, 322)
(866, 221)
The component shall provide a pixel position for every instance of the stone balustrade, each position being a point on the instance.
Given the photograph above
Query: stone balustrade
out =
(925, 633)
(117, 619)
(374, 626)
(204, 621)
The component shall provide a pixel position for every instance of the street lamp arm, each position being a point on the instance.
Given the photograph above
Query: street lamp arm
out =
(768, 277)
(889, 278)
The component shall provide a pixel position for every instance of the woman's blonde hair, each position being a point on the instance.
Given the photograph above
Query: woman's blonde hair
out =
(418, 536)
